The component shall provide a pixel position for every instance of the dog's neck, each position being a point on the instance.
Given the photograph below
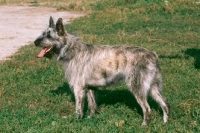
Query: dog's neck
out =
(68, 50)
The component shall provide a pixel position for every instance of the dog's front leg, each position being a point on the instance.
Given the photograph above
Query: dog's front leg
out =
(79, 93)
(91, 103)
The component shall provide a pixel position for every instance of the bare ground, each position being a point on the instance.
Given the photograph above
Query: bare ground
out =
(20, 25)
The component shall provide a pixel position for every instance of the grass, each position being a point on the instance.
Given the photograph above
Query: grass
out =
(70, 5)
(34, 96)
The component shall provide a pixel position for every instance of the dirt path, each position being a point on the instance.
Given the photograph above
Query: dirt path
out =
(20, 25)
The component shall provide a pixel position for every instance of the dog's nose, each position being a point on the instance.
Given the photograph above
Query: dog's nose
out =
(36, 42)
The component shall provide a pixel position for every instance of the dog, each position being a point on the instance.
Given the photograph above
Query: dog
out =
(87, 66)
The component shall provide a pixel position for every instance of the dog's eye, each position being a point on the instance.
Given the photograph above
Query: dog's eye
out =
(48, 34)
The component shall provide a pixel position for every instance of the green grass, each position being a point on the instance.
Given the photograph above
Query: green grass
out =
(34, 96)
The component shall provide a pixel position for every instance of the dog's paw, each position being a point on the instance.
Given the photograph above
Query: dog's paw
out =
(79, 114)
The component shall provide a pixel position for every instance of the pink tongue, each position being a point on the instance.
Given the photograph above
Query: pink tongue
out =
(42, 53)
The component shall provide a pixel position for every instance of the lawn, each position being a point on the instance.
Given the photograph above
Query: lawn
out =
(35, 97)
(78, 5)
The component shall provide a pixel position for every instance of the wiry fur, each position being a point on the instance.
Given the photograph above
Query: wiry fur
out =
(93, 65)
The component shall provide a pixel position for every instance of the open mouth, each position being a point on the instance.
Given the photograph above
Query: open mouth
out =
(44, 51)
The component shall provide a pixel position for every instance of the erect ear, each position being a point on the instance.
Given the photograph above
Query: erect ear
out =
(60, 28)
(51, 23)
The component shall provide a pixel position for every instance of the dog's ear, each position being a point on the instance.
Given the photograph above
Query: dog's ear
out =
(51, 22)
(60, 28)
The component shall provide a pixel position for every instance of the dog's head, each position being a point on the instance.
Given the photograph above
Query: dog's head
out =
(52, 39)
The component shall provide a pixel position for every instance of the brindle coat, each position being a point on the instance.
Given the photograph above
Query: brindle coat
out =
(93, 65)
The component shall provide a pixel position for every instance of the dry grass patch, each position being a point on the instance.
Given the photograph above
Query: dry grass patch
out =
(78, 5)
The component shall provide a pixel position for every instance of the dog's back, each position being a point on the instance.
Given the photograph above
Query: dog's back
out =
(101, 65)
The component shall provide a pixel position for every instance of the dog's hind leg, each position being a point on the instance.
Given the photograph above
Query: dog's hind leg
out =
(79, 93)
(156, 95)
(141, 97)
(91, 102)
(142, 100)
(139, 84)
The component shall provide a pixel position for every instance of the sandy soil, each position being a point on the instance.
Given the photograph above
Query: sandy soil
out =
(20, 25)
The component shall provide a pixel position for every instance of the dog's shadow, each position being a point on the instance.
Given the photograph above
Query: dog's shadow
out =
(110, 97)
(64, 89)
(195, 53)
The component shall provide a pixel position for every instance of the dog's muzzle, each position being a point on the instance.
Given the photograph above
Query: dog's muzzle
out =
(37, 41)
